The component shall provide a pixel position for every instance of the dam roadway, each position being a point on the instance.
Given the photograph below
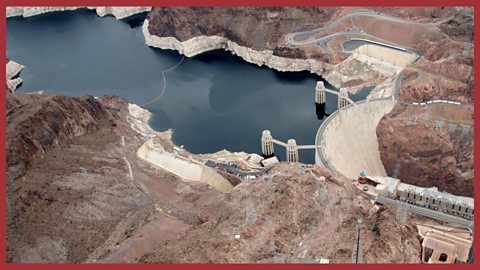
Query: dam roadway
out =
(347, 140)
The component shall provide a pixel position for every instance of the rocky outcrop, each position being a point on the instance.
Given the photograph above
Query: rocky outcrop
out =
(438, 151)
(419, 86)
(257, 35)
(12, 84)
(117, 12)
(68, 191)
(428, 145)
(425, 154)
(12, 71)
(121, 12)
(253, 33)
(34, 11)
(258, 28)
(36, 123)
(295, 215)
(200, 44)
(460, 26)
(76, 201)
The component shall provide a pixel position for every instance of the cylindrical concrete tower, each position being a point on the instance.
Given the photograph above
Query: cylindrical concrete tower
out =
(267, 144)
(320, 100)
(320, 97)
(342, 98)
(292, 151)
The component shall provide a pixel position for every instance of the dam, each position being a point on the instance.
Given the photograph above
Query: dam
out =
(347, 142)
(212, 101)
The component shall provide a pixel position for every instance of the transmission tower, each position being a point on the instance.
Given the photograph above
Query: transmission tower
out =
(250, 212)
(439, 125)
(452, 128)
(357, 253)
(413, 120)
(465, 130)
(401, 215)
(426, 117)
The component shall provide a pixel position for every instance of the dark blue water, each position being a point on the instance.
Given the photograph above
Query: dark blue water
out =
(213, 101)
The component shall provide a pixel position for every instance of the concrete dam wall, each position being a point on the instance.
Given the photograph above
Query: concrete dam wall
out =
(187, 170)
(395, 57)
(348, 141)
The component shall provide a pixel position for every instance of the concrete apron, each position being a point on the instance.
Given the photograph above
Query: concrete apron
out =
(186, 169)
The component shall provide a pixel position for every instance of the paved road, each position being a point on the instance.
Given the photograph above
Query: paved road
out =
(234, 170)
(302, 36)
(299, 38)
(436, 101)
(323, 40)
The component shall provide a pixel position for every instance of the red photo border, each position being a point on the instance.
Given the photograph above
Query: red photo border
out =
(5, 3)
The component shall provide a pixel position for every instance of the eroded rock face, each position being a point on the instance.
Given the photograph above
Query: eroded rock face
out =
(200, 44)
(74, 200)
(36, 122)
(425, 155)
(460, 27)
(70, 197)
(418, 86)
(12, 71)
(446, 71)
(117, 12)
(292, 215)
(258, 28)
(67, 188)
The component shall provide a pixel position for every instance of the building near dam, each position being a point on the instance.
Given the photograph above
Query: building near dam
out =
(444, 244)
(430, 198)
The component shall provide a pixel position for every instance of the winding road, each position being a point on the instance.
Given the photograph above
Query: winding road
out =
(299, 38)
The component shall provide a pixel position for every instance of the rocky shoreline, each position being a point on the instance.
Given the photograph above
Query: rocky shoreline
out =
(106, 206)
(201, 44)
(139, 121)
(117, 12)
(12, 70)
(77, 191)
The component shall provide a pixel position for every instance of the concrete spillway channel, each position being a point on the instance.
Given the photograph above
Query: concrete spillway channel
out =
(347, 140)
(186, 169)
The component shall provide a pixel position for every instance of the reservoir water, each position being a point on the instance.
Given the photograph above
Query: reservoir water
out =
(213, 101)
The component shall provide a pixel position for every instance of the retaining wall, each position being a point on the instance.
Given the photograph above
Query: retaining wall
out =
(187, 170)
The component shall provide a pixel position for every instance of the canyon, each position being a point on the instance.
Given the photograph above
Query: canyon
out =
(80, 190)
